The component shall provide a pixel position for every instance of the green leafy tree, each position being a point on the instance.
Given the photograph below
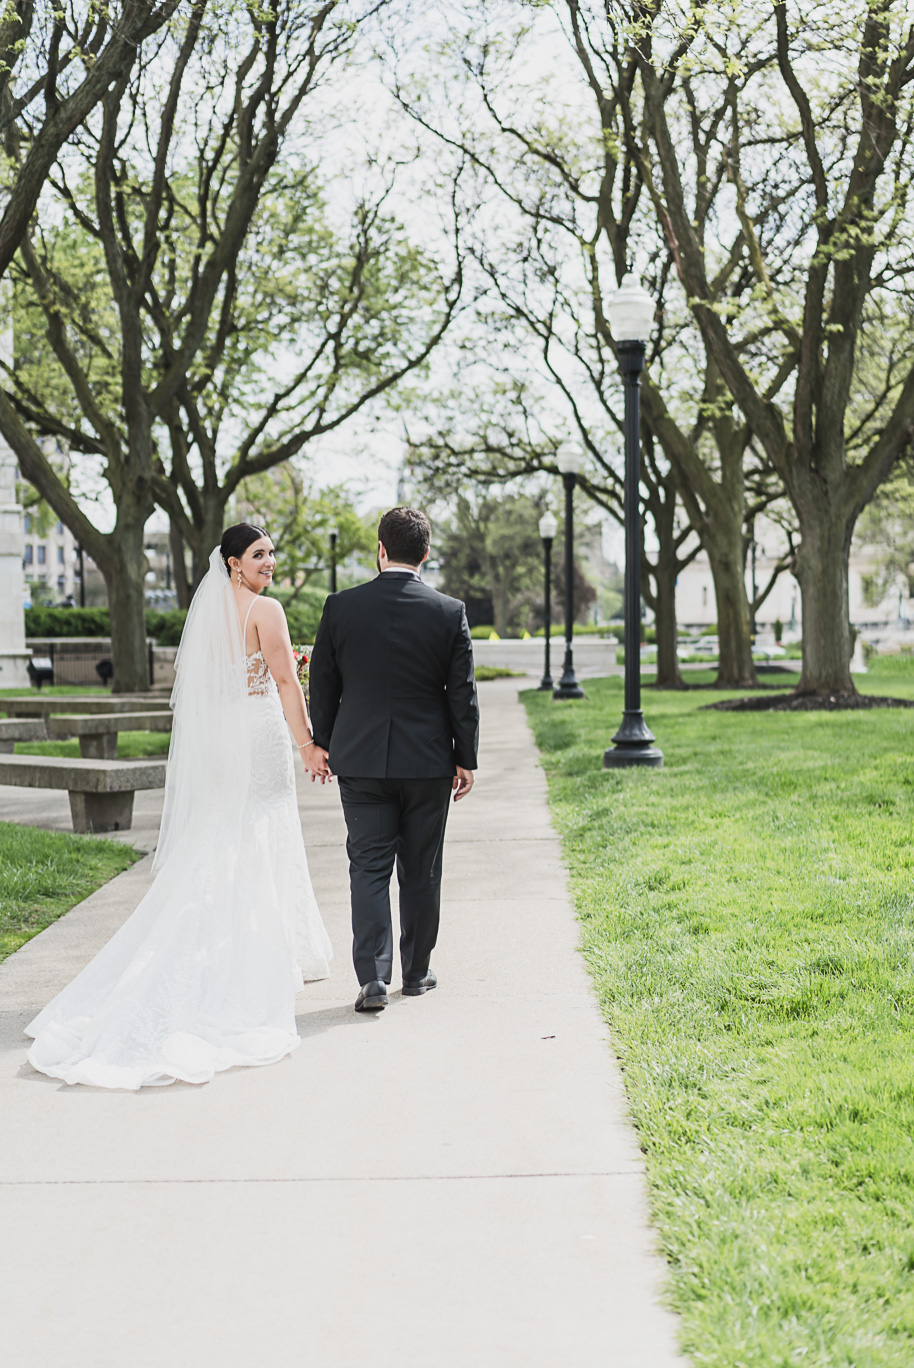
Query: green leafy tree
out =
(117, 203)
(300, 521)
(887, 526)
(188, 318)
(57, 63)
(575, 212)
(491, 548)
(814, 159)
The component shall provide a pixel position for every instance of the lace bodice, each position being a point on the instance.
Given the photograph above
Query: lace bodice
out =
(261, 683)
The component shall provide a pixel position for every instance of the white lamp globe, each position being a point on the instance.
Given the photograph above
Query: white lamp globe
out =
(570, 458)
(631, 311)
(548, 527)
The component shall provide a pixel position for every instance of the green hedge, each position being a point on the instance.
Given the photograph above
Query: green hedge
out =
(67, 622)
(581, 629)
(165, 628)
(483, 633)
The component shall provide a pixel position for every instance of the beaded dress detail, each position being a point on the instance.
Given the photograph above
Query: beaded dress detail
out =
(203, 975)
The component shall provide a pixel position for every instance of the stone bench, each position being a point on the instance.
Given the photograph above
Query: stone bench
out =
(13, 730)
(101, 791)
(97, 732)
(35, 705)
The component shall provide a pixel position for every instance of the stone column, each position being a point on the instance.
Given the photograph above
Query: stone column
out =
(13, 654)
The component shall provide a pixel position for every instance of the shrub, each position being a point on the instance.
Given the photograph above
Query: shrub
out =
(166, 628)
(303, 614)
(67, 622)
(617, 630)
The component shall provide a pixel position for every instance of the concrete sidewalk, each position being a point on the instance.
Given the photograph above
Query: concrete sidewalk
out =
(451, 1182)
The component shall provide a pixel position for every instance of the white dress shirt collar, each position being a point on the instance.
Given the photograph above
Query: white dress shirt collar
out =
(401, 570)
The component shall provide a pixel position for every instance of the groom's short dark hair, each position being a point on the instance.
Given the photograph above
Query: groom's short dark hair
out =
(405, 533)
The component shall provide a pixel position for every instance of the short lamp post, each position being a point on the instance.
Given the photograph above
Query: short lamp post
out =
(631, 317)
(569, 459)
(548, 529)
(334, 534)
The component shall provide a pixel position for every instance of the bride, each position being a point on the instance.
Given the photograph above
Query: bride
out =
(203, 975)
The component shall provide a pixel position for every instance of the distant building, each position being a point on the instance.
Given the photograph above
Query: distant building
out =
(696, 606)
(49, 561)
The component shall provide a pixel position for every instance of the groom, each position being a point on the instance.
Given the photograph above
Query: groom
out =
(394, 710)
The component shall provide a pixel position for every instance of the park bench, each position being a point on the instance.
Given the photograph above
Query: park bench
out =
(101, 791)
(97, 732)
(16, 729)
(36, 705)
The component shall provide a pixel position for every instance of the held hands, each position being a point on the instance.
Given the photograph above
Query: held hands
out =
(462, 783)
(315, 761)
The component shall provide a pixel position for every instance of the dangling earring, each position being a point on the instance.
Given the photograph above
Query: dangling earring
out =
(239, 579)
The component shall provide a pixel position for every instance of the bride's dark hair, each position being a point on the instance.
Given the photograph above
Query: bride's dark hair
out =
(237, 539)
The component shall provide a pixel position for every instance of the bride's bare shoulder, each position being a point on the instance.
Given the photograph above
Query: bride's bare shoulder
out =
(269, 609)
(269, 617)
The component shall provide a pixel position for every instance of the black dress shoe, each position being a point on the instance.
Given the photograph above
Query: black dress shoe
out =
(372, 997)
(416, 987)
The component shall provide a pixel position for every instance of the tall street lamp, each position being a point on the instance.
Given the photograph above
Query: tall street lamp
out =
(569, 460)
(752, 549)
(548, 529)
(82, 575)
(631, 317)
(334, 533)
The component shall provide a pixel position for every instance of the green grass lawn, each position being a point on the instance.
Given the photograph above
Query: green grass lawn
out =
(748, 917)
(484, 672)
(130, 746)
(45, 873)
(53, 689)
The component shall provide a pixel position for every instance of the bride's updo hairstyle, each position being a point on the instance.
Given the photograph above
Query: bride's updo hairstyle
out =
(237, 539)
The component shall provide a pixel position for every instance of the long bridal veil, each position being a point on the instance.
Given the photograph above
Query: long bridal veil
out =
(209, 761)
(203, 975)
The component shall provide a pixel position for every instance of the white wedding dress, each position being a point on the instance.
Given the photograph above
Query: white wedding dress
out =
(203, 975)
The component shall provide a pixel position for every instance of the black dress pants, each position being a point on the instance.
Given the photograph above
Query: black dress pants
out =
(388, 820)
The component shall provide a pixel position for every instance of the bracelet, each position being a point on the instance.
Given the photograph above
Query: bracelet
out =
(303, 745)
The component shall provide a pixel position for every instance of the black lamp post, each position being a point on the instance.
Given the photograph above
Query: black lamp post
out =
(631, 317)
(82, 575)
(752, 548)
(548, 529)
(569, 459)
(334, 533)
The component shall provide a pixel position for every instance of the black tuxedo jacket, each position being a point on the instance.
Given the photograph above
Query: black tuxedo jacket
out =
(392, 690)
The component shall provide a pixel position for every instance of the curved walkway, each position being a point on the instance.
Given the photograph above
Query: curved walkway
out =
(452, 1182)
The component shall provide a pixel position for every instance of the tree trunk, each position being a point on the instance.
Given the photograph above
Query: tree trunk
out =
(500, 608)
(822, 572)
(179, 565)
(658, 580)
(668, 674)
(125, 582)
(208, 535)
(735, 669)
